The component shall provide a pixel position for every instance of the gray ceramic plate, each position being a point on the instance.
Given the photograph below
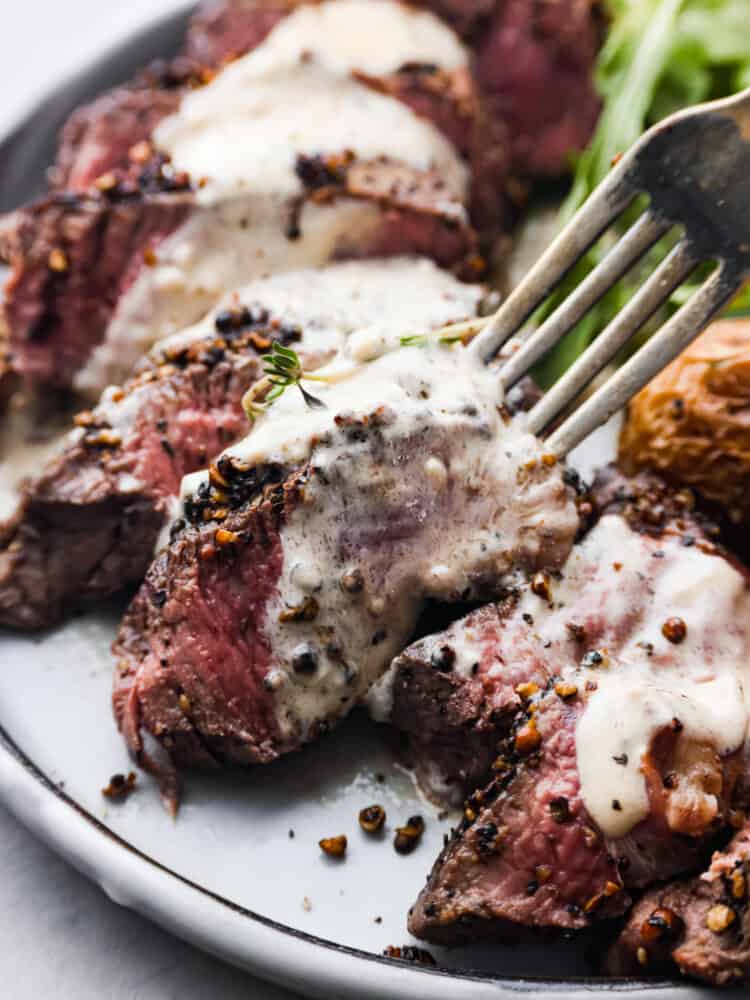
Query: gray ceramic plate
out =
(229, 875)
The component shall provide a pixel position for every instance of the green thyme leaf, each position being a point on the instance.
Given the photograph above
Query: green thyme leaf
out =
(284, 369)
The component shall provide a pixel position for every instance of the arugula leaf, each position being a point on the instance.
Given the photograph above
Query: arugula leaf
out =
(659, 56)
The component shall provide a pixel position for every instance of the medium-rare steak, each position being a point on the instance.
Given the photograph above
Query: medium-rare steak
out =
(616, 693)
(306, 554)
(73, 259)
(87, 525)
(525, 853)
(115, 130)
(701, 926)
(421, 64)
(280, 160)
(533, 63)
(221, 29)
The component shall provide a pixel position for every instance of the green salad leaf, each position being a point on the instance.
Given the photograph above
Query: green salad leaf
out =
(659, 56)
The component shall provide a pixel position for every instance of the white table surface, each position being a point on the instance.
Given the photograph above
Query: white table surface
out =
(59, 935)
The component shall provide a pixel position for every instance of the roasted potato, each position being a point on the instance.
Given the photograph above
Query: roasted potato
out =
(692, 422)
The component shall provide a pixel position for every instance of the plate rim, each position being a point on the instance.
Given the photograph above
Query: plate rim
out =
(132, 878)
(138, 881)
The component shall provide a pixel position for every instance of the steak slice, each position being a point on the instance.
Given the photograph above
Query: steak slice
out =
(109, 133)
(534, 65)
(519, 675)
(304, 559)
(73, 260)
(433, 78)
(700, 926)
(97, 277)
(525, 854)
(427, 69)
(88, 524)
(221, 29)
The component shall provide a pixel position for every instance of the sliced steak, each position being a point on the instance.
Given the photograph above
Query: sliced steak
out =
(525, 853)
(419, 62)
(700, 926)
(346, 171)
(425, 67)
(73, 260)
(306, 557)
(97, 279)
(114, 131)
(88, 524)
(534, 64)
(219, 29)
(439, 695)
(652, 780)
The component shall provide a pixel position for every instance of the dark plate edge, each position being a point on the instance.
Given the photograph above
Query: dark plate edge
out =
(14, 754)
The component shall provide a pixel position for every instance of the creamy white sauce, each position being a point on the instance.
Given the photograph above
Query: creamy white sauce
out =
(644, 681)
(376, 37)
(375, 508)
(240, 136)
(215, 251)
(337, 308)
(704, 681)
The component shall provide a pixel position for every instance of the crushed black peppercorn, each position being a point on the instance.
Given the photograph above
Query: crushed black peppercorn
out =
(120, 787)
(334, 847)
(674, 630)
(408, 953)
(407, 837)
(560, 809)
(372, 819)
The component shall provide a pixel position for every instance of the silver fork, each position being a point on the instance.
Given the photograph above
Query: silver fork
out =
(695, 168)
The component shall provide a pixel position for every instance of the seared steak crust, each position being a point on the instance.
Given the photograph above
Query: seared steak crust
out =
(108, 133)
(197, 592)
(525, 853)
(74, 256)
(700, 926)
(488, 681)
(453, 724)
(87, 526)
(534, 65)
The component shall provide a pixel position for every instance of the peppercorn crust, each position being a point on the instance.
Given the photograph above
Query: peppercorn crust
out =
(66, 544)
(699, 926)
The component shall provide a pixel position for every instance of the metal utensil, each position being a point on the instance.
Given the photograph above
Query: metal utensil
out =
(695, 169)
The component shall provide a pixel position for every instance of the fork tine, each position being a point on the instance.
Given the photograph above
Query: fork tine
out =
(672, 271)
(643, 234)
(665, 345)
(611, 198)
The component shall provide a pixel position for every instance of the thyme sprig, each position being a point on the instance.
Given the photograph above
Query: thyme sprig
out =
(453, 333)
(282, 368)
